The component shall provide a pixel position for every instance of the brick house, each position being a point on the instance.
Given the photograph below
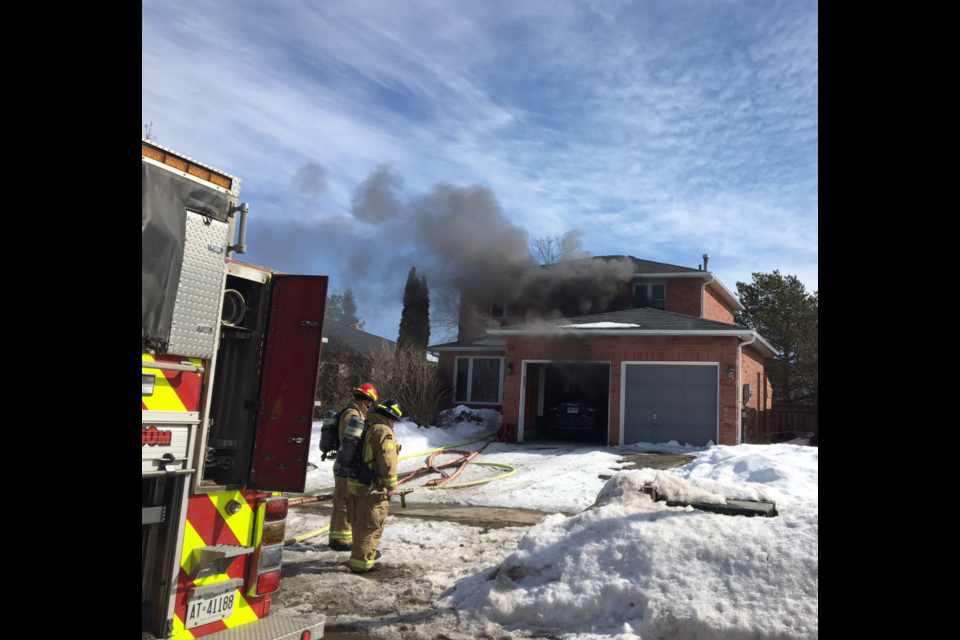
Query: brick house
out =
(663, 362)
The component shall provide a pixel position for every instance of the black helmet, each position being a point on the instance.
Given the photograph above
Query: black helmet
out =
(390, 409)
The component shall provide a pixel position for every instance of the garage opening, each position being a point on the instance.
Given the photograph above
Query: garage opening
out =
(567, 401)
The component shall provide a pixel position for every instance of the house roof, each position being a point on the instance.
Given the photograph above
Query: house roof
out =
(355, 339)
(483, 343)
(639, 322)
(649, 269)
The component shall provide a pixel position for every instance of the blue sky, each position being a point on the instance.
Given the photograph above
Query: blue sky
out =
(663, 129)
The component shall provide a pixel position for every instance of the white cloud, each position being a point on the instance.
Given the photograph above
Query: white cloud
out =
(661, 129)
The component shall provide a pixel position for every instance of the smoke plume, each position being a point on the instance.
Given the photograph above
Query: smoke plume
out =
(460, 238)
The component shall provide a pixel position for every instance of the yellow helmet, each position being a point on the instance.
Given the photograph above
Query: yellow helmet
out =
(391, 409)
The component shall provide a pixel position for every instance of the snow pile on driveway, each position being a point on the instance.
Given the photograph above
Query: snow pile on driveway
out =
(629, 568)
(793, 471)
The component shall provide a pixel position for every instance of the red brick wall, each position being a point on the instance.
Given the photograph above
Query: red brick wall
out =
(754, 373)
(448, 364)
(684, 296)
(716, 309)
(619, 349)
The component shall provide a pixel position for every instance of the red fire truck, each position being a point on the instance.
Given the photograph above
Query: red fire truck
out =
(229, 362)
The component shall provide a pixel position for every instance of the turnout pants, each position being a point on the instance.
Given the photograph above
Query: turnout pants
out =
(340, 529)
(368, 513)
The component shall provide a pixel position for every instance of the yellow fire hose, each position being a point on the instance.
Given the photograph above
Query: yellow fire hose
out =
(511, 471)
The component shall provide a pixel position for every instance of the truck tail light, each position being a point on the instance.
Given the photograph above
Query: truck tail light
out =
(274, 534)
(277, 510)
(268, 583)
(270, 533)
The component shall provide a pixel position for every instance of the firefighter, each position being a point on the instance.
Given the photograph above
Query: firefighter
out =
(370, 503)
(341, 530)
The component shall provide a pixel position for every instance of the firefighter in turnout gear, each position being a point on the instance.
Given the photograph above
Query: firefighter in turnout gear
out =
(369, 504)
(341, 529)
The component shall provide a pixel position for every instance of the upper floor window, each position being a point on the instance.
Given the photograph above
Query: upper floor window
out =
(504, 309)
(650, 295)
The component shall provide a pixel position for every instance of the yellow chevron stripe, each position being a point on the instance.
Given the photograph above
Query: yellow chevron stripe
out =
(242, 523)
(179, 630)
(192, 543)
(242, 613)
(164, 397)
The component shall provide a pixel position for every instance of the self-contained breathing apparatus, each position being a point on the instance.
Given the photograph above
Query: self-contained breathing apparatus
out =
(350, 463)
(330, 435)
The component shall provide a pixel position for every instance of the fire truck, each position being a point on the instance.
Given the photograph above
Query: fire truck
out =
(229, 362)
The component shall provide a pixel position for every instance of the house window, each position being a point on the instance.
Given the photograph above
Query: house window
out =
(504, 309)
(479, 380)
(651, 296)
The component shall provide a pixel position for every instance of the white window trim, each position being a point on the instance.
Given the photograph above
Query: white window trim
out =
(456, 372)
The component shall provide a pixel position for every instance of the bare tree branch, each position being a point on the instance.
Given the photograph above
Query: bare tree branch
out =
(554, 249)
(547, 249)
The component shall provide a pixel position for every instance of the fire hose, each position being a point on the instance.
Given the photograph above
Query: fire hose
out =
(445, 482)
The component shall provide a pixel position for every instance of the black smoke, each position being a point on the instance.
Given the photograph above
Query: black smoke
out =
(458, 236)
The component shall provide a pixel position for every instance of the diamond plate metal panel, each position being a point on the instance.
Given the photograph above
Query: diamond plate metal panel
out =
(197, 312)
(278, 627)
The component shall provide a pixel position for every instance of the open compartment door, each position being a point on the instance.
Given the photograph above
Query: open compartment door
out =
(288, 388)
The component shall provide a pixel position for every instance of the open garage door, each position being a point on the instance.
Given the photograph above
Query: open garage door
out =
(567, 401)
(671, 403)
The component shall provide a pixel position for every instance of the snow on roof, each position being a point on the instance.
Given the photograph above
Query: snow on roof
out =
(602, 325)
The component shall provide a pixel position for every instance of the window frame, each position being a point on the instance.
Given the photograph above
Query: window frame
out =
(505, 307)
(470, 368)
(649, 285)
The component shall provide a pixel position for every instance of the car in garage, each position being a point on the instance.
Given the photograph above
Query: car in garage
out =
(576, 416)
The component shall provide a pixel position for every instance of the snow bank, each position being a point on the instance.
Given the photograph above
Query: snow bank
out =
(631, 568)
(416, 439)
(792, 471)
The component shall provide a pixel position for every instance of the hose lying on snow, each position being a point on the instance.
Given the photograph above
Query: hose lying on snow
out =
(446, 482)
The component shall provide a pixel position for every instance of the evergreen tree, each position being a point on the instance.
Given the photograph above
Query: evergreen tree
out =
(415, 321)
(780, 308)
(343, 308)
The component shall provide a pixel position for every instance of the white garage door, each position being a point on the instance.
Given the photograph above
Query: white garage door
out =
(671, 403)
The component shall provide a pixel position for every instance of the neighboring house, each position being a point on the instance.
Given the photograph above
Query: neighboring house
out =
(663, 362)
(343, 360)
(354, 338)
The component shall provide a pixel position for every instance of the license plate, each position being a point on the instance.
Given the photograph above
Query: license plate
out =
(573, 410)
(203, 611)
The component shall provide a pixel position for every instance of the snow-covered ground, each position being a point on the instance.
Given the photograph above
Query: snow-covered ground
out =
(631, 568)
(552, 478)
(624, 567)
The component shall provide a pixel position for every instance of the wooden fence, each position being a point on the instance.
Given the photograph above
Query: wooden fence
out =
(784, 422)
